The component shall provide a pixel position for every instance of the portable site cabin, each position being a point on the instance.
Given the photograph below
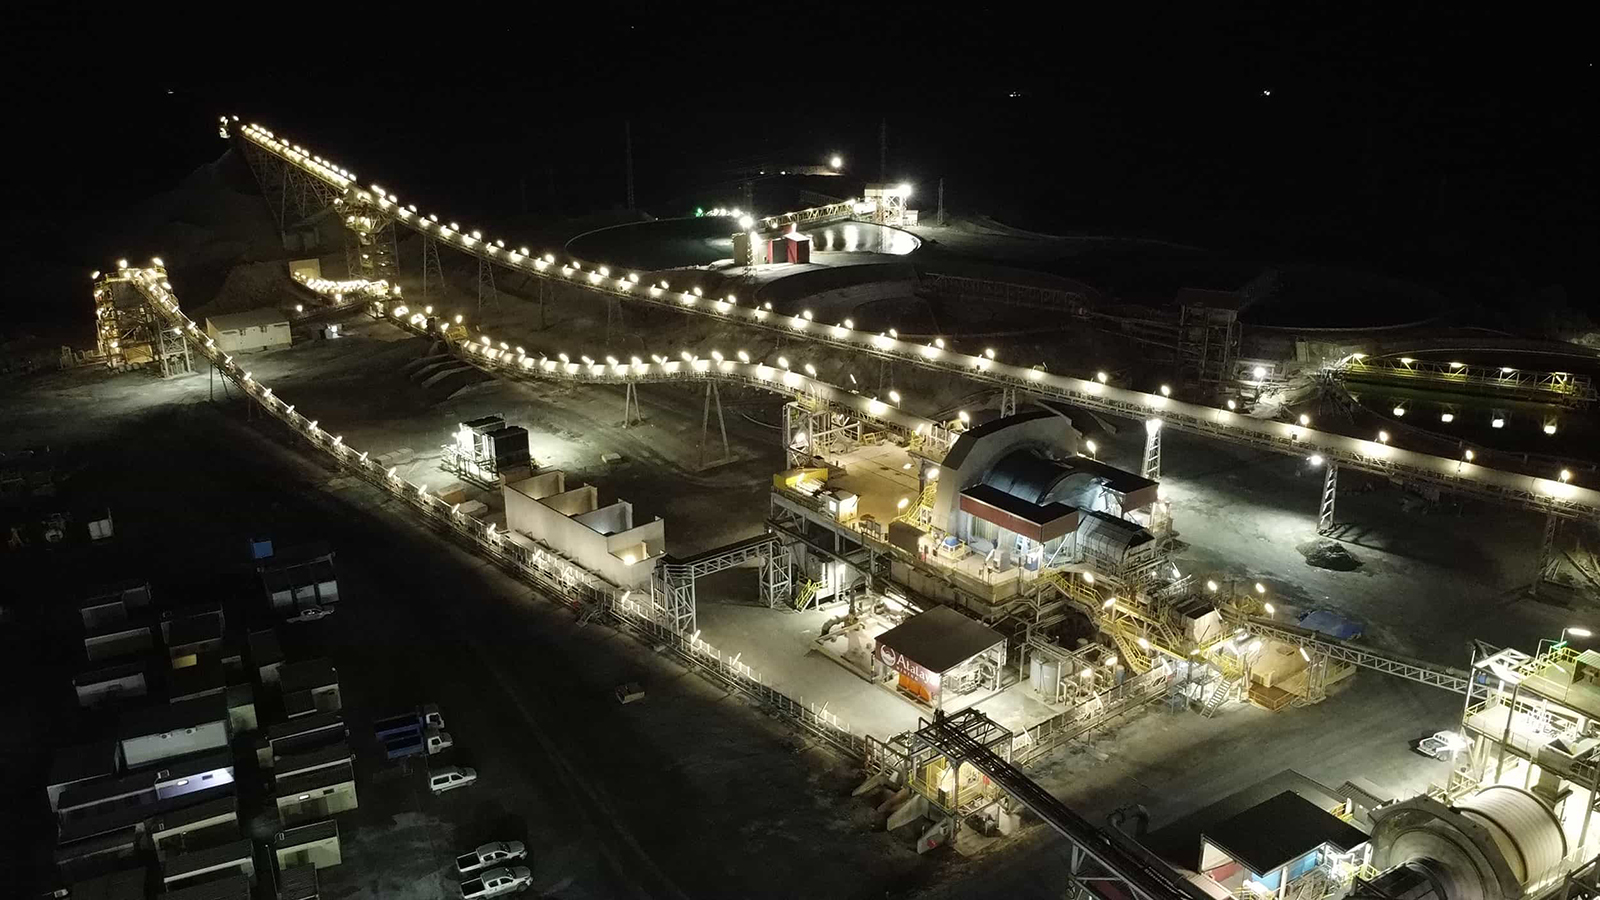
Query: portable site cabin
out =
(940, 653)
(255, 329)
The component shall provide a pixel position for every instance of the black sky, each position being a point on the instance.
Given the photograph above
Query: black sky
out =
(1449, 144)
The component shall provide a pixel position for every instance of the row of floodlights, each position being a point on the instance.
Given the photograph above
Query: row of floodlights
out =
(452, 231)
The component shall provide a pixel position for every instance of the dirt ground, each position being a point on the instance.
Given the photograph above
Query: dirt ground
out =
(690, 793)
(604, 792)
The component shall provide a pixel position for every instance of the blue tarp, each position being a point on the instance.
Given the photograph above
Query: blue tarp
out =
(1331, 624)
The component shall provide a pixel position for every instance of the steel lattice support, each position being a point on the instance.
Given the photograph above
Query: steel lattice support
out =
(1095, 857)
(797, 436)
(291, 194)
(675, 595)
(271, 174)
(486, 288)
(432, 272)
(1316, 677)
(1330, 490)
(1547, 553)
(372, 252)
(673, 582)
(1152, 449)
(777, 577)
(129, 332)
(1008, 402)
(713, 395)
(810, 426)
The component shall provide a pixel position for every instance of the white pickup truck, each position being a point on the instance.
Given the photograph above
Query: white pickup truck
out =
(497, 853)
(497, 883)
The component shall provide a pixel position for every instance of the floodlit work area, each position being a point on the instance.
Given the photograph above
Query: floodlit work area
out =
(1015, 601)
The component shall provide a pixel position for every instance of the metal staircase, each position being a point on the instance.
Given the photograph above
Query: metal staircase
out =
(920, 512)
(807, 592)
(1135, 657)
(1221, 689)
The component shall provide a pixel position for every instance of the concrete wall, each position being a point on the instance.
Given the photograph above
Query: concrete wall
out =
(611, 519)
(572, 522)
(641, 542)
(574, 502)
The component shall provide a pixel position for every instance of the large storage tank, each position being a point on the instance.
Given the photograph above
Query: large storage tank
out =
(1501, 843)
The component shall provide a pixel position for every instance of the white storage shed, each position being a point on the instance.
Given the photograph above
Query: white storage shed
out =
(255, 329)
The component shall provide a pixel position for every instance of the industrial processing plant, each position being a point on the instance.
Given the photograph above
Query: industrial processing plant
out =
(804, 519)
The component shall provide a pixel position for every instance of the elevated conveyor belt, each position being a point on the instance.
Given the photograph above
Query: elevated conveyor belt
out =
(1115, 862)
(507, 363)
(1347, 652)
(1140, 874)
(1545, 494)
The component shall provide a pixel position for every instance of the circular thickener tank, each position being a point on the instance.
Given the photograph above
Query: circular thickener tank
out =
(1523, 827)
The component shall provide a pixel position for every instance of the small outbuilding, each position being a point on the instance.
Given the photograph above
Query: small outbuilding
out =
(1274, 844)
(313, 683)
(315, 845)
(235, 858)
(255, 329)
(940, 654)
(317, 794)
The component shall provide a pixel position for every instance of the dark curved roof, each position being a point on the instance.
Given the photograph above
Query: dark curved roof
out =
(971, 437)
(1026, 475)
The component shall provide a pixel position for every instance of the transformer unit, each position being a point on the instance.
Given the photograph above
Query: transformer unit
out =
(485, 447)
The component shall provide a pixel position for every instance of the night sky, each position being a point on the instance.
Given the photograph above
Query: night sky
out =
(1451, 146)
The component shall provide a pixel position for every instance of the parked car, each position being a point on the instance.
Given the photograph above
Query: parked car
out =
(1443, 745)
(490, 855)
(413, 733)
(497, 883)
(448, 779)
(629, 692)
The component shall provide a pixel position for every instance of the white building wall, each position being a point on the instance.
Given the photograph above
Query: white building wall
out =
(1052, 434)
(551, 521)
(254, 337)
(149, 748)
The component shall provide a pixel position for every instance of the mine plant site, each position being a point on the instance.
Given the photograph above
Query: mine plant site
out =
(846, 551)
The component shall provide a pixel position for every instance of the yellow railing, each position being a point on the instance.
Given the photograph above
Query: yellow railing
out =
(1538, 665)
(913, 512)
(1136, 658)
(807, 591)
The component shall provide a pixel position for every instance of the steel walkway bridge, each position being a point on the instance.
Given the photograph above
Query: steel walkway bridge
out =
(1421, 672)
(367, 211)
(1099, 859)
